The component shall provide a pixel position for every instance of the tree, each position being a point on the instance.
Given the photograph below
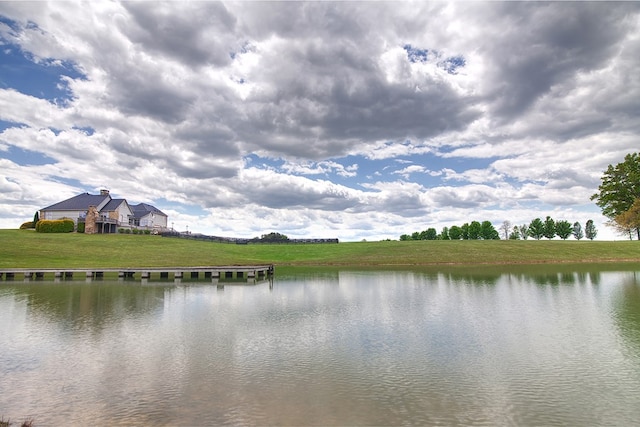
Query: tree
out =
(488, 232)
(563, 229)
(549, 230)
(505, 228)
(455, 232)
(620, 188)
(444, 234)
(590, 230)
(465, 231)
(577, 231)
(274, 237)
(536, 229)
(430, 234)
(475, 230)
(405, 237)
(515, 234)
(36, 218)
(524, 231)
(629, 220)
(622, 228)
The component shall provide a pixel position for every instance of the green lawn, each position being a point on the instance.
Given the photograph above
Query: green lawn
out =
(26, 249)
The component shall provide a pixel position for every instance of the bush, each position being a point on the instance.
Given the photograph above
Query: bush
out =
(121, 230)
(147, 231)
(81, 227)
(26, 225)
(127, 231)
(55, 226)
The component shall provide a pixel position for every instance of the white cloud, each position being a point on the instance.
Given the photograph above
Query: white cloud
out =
(26, 110)
(320, 168)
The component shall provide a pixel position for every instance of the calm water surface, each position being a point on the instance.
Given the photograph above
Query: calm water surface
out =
(327, 348)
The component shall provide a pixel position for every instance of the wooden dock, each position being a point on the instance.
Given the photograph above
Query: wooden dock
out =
(215, 273)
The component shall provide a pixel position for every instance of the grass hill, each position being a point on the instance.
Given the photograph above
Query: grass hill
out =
(26, 249)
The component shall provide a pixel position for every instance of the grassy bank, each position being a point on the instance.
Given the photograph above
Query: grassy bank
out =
(26, 249)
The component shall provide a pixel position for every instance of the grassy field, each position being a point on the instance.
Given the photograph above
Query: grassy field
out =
(27, 249)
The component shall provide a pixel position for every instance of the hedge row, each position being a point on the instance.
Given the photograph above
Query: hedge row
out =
(133, 231)
(55, 226)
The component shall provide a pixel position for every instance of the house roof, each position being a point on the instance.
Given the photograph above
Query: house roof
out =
(113, 205)
(142, 209)
(78, 203)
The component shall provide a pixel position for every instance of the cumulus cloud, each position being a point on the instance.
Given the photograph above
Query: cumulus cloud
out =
(476, 107)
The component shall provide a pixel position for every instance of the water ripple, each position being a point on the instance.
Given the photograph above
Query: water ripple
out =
(370, 349)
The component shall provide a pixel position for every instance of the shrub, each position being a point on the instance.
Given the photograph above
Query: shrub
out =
(121, 230)
(127, 231)
(81, 227)
(55, 226)
(67, 225)
(26, 225)
(147, 231)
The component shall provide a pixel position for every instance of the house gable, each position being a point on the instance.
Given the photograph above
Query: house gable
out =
(148, 215)
(117, 209)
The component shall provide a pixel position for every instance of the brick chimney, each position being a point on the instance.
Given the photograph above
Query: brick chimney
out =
(104, 192)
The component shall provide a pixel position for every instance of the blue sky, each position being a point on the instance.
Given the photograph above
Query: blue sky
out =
(318, 119)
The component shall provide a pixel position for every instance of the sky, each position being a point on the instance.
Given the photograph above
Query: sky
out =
(350, 120)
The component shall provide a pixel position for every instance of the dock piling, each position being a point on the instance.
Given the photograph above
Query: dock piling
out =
(214, 273)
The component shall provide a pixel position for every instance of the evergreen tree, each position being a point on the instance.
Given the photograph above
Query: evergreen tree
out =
(524, 231)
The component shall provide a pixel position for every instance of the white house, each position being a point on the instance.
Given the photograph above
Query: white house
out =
(148, 216)
(113, 213)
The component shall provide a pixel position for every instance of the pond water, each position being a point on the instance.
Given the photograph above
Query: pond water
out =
(530, 346)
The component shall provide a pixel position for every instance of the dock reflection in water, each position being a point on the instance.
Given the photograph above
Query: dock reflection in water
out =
(326, 348)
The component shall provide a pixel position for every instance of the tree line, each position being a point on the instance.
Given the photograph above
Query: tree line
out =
(536, 229)
(549, 228)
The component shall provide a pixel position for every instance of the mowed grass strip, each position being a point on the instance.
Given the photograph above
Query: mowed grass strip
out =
(28, 249)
